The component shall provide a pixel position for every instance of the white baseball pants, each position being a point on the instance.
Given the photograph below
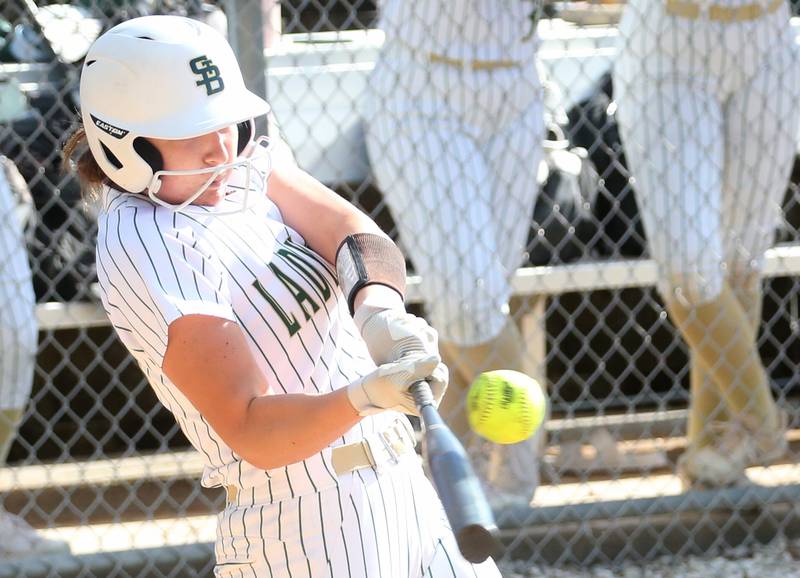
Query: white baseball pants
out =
(708, 114)
(18, 329)
(456, 153)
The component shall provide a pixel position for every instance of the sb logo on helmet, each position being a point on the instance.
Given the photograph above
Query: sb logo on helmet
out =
(211, 79)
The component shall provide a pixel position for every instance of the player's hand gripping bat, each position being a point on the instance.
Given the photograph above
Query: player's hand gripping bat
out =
(459, 489)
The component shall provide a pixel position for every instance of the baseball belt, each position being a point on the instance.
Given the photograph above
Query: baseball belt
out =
(383, 448)
(386, 447)
(473, 64)
(720, 13)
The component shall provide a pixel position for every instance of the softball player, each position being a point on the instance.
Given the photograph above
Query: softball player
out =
(454, 132)
(18, 332)
(18, 342)
(223, 289)
(707, 97)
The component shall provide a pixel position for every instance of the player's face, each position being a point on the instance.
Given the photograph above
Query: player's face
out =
(205, 151)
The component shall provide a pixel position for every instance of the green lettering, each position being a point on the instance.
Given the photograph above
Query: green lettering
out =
(308, 252)
(297, 292)
(292, 325)
(307, 270)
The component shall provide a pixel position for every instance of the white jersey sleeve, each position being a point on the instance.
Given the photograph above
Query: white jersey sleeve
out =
(153, 273)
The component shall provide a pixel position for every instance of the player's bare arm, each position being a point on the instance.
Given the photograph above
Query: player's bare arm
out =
(324, 219)
(209, 360)
(321, 216)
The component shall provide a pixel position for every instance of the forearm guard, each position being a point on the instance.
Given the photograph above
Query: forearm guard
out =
(367, 259)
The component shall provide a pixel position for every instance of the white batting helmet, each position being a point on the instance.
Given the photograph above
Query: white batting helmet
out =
(165, 77)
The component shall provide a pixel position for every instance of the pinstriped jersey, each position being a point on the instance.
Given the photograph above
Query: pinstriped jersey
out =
(156, 265)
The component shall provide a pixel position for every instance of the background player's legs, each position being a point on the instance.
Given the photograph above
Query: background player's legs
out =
(513, 154)
(436, 182)
(721, 338)
(18, 341)
(9, 421)
(439, 188)
(457, 179)
(18, 331)
(676, 155)
(747, 290)
(705, 406)
(761, 128)
(771, 442)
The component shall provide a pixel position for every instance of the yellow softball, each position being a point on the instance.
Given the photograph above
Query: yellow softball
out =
(505, 406)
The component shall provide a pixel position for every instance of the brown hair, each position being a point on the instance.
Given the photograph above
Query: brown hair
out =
(78, 158)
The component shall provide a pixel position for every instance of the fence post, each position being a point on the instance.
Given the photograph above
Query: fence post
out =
(256, 24)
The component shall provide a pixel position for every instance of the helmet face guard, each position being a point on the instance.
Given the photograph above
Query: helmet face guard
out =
(252, 180)
(164, 77)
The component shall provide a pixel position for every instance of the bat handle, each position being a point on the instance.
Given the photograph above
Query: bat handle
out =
(422, 394)
(423, 397)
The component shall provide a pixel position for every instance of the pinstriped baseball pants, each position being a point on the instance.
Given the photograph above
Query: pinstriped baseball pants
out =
(708, 115)
(18, 330)
(456, 153)
(375, 524)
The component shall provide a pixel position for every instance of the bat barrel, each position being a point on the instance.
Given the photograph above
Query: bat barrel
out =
(460, 491)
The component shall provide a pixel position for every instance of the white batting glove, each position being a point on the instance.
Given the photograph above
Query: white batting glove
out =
(391, 334)
(387, 386)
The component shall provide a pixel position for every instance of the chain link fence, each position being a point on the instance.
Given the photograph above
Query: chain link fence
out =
(581, 190)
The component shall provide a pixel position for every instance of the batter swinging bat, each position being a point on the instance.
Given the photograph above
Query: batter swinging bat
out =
(459, 489)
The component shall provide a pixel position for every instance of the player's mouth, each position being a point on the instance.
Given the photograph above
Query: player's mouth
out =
(220, 181)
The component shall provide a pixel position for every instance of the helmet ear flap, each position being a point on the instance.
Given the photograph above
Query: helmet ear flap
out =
(247, 131)
(149, 153)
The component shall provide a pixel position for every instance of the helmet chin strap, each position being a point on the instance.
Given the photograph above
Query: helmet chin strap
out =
(261, 148)
(155, 186)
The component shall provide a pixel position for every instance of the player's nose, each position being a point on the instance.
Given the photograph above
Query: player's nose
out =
(216, 151)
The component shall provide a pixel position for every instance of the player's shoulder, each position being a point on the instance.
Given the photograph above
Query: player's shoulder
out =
(114, 202)
(129, 223)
